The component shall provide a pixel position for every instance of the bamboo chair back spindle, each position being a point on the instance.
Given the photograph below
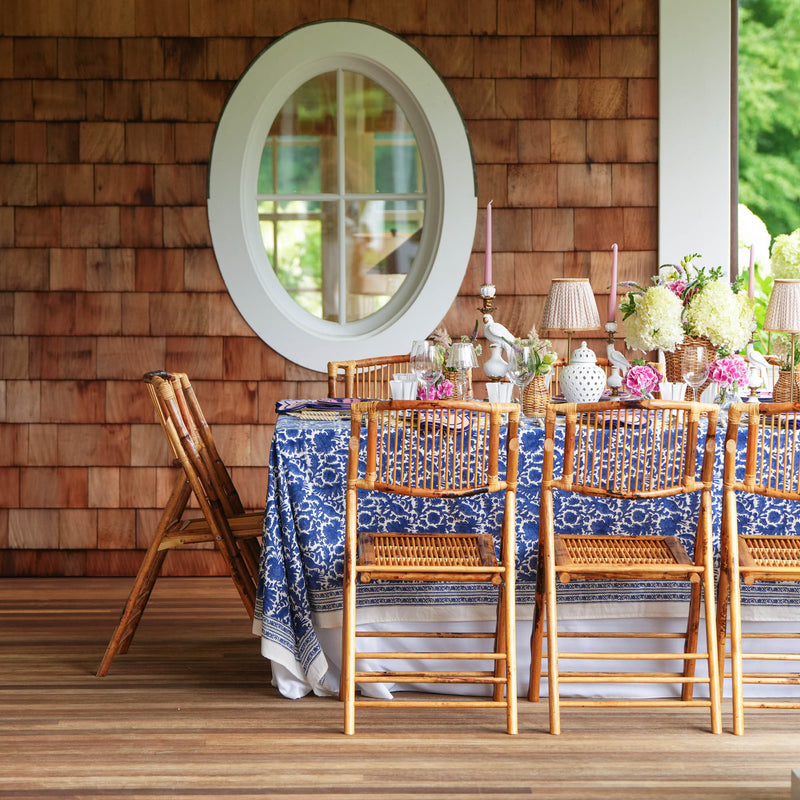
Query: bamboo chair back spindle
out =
(630, 451)
(432, 451)
(770, 467)
(203, 475)
(366, 378)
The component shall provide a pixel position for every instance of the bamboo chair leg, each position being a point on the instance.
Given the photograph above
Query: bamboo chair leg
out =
(537, 635)
(736, 642)
(690, 643)
(508, 589)
(714, 689)
(146, 577)
(723, 599)
(500, 645)
(552, 626)
(251, 553)
(347, 681)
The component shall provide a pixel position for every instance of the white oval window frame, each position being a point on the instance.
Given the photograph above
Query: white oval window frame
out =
(451, 189)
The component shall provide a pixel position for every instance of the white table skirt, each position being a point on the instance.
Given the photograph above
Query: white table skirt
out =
(323, 678)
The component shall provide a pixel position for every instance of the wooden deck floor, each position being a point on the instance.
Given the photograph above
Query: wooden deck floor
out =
(189, 713)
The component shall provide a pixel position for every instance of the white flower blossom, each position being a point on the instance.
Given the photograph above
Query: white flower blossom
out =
(722, 315)
(656, 322)
(786, 255)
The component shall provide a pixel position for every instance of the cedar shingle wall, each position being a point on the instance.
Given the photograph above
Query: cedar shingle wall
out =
(107, 112)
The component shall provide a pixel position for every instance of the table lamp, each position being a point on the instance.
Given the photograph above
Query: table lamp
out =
(783, 316)
(570, 307)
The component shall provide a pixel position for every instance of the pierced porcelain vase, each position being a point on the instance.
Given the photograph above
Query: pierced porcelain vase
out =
(582, 380)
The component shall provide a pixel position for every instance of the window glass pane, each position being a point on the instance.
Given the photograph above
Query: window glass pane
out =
(381, 151)
(300, 151)
(383, 239)
(300, 239)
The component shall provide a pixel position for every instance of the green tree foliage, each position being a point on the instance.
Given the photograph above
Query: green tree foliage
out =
(769, 111)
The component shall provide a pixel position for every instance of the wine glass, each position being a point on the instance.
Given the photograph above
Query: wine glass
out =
(694, 367)
(426, 361)
(521, 368)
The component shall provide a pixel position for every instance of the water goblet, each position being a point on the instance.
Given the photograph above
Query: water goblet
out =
(521, 368)
(426, 361)
(694, 367)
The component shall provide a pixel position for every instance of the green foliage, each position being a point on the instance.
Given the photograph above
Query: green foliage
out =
(769, 111)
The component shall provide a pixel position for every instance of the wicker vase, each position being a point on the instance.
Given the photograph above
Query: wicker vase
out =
(782, 390)
(535, 397)
(673, 359)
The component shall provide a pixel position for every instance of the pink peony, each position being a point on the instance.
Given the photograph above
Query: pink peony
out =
(729, 372)
(642, 380)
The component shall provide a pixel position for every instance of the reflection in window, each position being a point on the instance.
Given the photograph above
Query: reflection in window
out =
(341, 196)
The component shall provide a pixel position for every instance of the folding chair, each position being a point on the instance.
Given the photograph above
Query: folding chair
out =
(632, 451)
(769, 467)
(432, 450)
(223, 522)
(367, 378)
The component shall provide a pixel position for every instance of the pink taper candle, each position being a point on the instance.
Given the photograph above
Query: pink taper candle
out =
(751, 276)
(612, 297)
(487, 272)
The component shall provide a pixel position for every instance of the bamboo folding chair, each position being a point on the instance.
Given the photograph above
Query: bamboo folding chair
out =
(434, 450)
(224, 521)
(772, 470)
(367, 378)
(634, 451)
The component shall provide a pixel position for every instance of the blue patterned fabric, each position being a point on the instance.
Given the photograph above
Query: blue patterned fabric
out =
(303, 546)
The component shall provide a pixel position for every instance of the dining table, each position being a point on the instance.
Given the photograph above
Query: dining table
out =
(299, 594)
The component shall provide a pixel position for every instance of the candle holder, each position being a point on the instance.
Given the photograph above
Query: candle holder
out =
(487, 296)
(618, 363)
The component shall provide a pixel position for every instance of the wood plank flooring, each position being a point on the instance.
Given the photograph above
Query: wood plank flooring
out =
(188, 712)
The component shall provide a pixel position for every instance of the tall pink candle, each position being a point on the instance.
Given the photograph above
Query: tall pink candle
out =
(487, 271)
(751, 276)
(612, 297)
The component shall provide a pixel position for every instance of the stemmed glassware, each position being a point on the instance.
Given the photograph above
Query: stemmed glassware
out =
(694, 367)
(521, 369)
(426, 361)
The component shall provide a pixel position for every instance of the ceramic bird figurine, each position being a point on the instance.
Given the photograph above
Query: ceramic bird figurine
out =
(616, 359)
(498, 334)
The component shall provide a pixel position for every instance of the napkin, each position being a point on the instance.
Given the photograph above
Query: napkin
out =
(329, 404)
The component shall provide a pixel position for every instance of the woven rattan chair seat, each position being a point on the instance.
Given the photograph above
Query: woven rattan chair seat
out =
(773, 551)
(618, 550)
(426, 550)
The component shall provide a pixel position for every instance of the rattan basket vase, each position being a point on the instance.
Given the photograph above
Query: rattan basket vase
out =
(535, 397)
(673, 359)
(782, 391)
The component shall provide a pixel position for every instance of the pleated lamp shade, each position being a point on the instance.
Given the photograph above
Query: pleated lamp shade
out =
(570, 307)
(783, 309)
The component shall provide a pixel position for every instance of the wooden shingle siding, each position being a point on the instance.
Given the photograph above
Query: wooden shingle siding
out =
(107, 117)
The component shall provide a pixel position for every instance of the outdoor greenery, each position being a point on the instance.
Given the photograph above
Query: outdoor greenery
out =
(769, 111)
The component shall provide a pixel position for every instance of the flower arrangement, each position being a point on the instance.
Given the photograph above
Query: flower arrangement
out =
(687, 299)
(642, 380)
(782, 348)
(542, 355)
(729, 373)
(786, 255)
(443, 387)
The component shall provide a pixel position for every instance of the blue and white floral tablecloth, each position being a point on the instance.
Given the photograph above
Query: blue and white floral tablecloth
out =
(300, 586)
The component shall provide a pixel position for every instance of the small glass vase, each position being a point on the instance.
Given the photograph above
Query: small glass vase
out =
(725, 397)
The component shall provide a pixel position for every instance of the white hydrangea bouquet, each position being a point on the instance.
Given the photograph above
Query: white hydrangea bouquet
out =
(687, 300)
(786, 255)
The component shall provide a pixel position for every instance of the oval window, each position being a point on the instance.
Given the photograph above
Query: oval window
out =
(342, 196)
